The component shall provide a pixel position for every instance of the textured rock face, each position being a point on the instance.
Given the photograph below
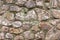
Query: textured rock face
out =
(29, 19)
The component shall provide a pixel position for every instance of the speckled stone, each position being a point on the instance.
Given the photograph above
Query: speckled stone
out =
(28, 35)
(30, 4)
(17, 24)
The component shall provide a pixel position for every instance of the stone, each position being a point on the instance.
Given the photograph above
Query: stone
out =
(9, 36)
(39, 35)
(5, 7)
(28, 35)
(20, 16)
(54, 21)
(35, 28)
(6, 22)
(9, 15)
(54, 3)
(4, 29)
(1, 3)
(14, 8)
(58, 26)
(2, 36)
(19, 37)
(9, 1)
(39, 3)
(17, 24)
(51, 33)
(45, 26)
(1, 19)
(20, 2)
(15, 30)
(56, 13)
(42, 14)
(26, 27)
(30, 4)
(31, 15)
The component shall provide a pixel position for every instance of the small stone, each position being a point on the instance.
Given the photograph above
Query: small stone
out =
(8, 15)
(5, 7)
(15, 8)
(54, 3)
(4, 29)
(31, 15)
(9, 36)
(9, 1)
(19, 37)
(2, 36)
(1, 19)
(15, 30)
(42, 14)
(58, 26)
(45, 26)
(17, 24)
(54, 21)
(26, 27)
(1, 3)
(51, 33)
(56, 13)
(6, 22)
(39, 3)
(35, 28)
(39, 35)
(20, 16)
(20, 2)
(28, 35)
(30, 4)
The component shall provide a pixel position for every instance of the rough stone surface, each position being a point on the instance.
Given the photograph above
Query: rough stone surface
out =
(29, 19)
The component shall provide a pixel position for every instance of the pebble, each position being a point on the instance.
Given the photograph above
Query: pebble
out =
(15, 30)
(5, 29)
(54, 3)
(56, 13)
(58, 26)
(8, 15)
(20, 2)
(30, 4)
(14, 8)
(2, 36)
(35, 28)
(6, 22)
(9, 1)
(54, 21)
(45, 26)
(17, 24)
(26, 26)
(39, 35)
(39, 3)
(31, 15)
(9, 36)
(28, 35)
(1, 3)
(20, 16)
(19, 37)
